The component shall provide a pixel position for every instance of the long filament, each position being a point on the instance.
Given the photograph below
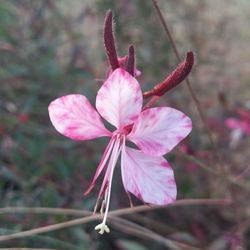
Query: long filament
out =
(102, 164)
(113, 161)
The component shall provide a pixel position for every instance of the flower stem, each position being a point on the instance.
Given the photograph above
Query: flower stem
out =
(190, 88)
(228, 179)
(174, 78)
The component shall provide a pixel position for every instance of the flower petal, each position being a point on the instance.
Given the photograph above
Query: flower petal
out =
(74, 117)
(119, 100)
(149, 178)
(232, 123)
(158, 130)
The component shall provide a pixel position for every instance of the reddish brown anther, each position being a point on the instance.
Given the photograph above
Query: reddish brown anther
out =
(175, 78)
(109, 41)
(131, 60)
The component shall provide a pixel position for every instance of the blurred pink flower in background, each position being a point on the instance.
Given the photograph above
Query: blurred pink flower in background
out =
(239, 126)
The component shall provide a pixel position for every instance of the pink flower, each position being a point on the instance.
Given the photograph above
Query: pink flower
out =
(155, 131)
(240, 126)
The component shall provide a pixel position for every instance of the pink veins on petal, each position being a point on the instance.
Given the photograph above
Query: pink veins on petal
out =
(155, 131)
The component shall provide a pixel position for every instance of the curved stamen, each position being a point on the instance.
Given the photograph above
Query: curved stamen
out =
(109, 168)
(101, 164)
(108, 179)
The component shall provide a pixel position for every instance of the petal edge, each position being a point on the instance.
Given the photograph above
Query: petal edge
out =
(149, 178)
(119, 100)
(159, 130)
(74, 117)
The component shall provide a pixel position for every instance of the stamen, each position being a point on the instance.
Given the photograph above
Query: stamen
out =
(102, 227)
(109, 168)
(130, 200)
(102, 208)
(104, 203)
(95, 208)
(101, 165)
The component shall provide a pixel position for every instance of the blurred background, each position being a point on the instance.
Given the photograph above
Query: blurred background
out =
(51, 48)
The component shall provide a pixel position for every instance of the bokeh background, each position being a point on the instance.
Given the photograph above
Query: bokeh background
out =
(51, 48)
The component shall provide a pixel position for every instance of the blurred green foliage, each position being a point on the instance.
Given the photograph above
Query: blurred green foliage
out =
(53, 48)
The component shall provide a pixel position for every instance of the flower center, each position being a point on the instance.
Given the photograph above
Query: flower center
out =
(127, 129)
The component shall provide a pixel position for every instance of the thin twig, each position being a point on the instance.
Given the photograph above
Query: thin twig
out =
(151, 102)
(17, 248)
(190, 88)
(124, 211)
(45, 210)
(134, 229)
(243, 174)
(199, 163)
(210, 170)
(137, 230)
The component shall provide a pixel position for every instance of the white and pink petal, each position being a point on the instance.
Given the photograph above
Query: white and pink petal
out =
(119, 100)
(149, 178)
(159, 130)
(74, 117)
